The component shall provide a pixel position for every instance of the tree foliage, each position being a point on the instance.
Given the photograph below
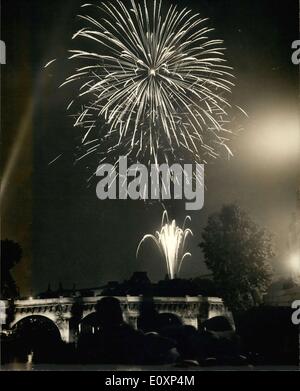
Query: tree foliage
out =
(11, 254)
(238, 252)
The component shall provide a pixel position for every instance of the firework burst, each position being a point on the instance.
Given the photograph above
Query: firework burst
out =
(151, 84)
(171, 241)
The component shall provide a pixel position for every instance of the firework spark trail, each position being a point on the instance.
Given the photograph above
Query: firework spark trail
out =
(154, 86)
(170, 241)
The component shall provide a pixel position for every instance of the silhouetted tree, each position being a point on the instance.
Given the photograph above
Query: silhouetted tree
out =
(11, 254)
(238, 252)
(10, 313)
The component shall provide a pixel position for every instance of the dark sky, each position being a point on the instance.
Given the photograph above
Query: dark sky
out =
(70, 236)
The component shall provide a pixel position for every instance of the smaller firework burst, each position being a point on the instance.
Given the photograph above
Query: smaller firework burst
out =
(171, 241)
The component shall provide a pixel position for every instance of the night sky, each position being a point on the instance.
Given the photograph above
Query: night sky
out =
(67, 234)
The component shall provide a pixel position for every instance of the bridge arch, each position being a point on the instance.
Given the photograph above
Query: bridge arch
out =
(35, 338)
(37, 325)
(88, 323)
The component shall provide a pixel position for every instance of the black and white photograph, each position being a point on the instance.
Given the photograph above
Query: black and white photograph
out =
(150, 187)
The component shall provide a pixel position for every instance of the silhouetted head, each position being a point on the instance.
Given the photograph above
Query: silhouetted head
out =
(168, 320)
(109, 312)
(189, 330)
(217, 323)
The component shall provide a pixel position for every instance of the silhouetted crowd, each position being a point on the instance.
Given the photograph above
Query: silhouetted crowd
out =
(160, 339)
(265, 336)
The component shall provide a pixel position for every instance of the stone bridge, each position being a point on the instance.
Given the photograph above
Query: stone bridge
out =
(191, 310)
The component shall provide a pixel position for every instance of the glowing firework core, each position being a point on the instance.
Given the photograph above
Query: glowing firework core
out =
(152, 72)
(171, 243)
